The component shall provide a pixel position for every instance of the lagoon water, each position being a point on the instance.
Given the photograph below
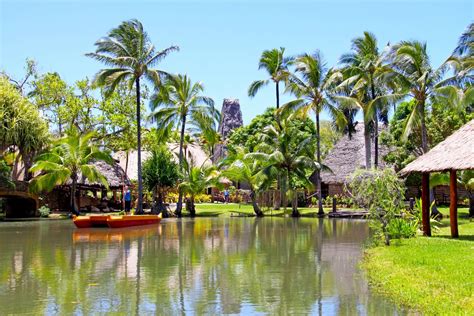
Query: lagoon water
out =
(207, 266)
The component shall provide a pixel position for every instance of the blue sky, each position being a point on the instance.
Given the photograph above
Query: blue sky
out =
(220, 41)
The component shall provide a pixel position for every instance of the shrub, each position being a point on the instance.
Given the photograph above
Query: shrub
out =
(400, 228)
(381, 193)
(44, 211)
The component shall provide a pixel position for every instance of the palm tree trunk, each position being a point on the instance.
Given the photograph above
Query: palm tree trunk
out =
(258, 212)
(277, 95)
(368, 151)
(318, 172)
(139, 151)
(74, 209)
(471, 204)
(179, 205)
(376, 131)
(424, 133)
(284, 190)
(190, 206)
(294, 204)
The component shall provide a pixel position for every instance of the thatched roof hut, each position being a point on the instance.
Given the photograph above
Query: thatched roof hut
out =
(347, 155)
(454, 153)
(114, 174)
(194, 153)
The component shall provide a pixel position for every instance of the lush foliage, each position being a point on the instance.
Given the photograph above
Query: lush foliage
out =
(381, 193)
(71, 156)
(160, 173)
(23, 133)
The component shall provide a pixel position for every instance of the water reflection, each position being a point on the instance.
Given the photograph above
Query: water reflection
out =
(202, 266)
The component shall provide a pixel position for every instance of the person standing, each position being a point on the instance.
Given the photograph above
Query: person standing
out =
(226, 196)
(128, 201)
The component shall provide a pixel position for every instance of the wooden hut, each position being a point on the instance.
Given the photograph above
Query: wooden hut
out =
(116, 178)
(454, 153)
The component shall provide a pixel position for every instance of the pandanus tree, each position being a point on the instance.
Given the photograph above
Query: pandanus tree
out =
(364, 69)
(276, 65)
(70, 157)
(310, 84)
(176, 103)
(128, 52)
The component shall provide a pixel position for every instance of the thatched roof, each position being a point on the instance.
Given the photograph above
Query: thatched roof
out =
(454, 153)
(347, 155)
(194, 153)
(114, 174)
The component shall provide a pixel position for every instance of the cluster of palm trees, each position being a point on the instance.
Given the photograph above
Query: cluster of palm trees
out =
(131, 56)
(369, 80)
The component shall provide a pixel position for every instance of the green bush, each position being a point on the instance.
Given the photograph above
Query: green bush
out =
(44, 211)
(382, 194)
(400, 228)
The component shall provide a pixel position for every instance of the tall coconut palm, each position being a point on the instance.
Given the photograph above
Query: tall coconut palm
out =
(276, 65)
(417, 79)
(364, 68)
(129, 53)
(176, 102)
(310, 85)
(71, 157)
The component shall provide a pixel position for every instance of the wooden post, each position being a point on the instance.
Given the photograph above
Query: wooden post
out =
(412, 204)
(453, 205)
(334, 205)
(425, 201)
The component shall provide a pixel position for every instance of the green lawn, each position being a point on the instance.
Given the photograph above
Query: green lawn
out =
(218, 209)
(432, 275)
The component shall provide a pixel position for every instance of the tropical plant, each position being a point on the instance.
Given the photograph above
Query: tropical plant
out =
(364, 70)
(23, 132)
(276, 65)
(5, 175)
(290, 160)
(311, 89)
(196, 181)
(381, 193)
(206, 130)
(418, 79)
(129, 52)
(70, 158)
(178, 101)
(160, 172)
(242, 168)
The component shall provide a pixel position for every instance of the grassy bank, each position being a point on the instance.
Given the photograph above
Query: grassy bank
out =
(432, 275)
(218, 209)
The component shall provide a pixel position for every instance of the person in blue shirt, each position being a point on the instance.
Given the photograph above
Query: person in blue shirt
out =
(226, 196)
(128, 200)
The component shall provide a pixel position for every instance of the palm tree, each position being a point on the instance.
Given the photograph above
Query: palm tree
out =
(416, 78)
(197, 180)
(276, 66)
(244, 168)
(466, 42)
(206, 129)
(311, 89)
(283, 156)
(177, 101)
(364, 69)
(129, 52)
(71, 157)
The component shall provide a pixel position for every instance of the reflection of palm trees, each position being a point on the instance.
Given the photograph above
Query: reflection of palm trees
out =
(270, 265)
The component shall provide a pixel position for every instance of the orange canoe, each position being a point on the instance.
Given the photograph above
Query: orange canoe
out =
(90, 221)
(132, 220)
